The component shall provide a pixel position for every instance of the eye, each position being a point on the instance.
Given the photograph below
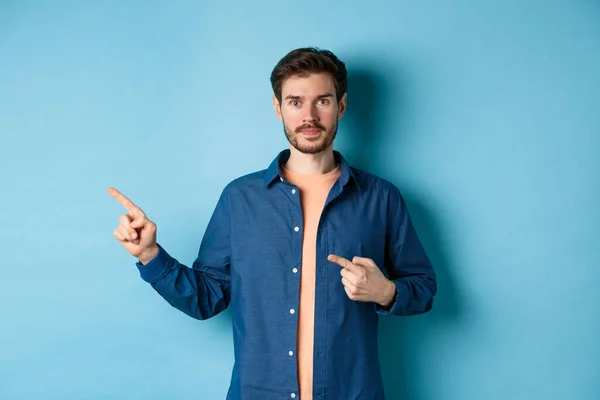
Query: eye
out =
(295, 103)
(324, 101)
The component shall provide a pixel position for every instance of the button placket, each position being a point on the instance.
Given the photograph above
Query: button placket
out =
(295, 271)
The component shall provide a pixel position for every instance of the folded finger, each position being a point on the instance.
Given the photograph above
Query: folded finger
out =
(348, 285)
(126, 224)
(118, 236)
(124, 232)
(348, 275)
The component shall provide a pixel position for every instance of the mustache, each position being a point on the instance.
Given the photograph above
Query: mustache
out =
(313, 126)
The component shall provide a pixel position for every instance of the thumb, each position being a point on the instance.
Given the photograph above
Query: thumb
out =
(139, 221)
(364, 262)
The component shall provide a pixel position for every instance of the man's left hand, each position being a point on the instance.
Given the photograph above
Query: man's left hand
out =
(364, 281)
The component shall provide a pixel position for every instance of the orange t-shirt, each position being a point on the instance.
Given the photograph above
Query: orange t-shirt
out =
(314, 190)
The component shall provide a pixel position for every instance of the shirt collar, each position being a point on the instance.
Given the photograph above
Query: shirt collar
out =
(274, 170)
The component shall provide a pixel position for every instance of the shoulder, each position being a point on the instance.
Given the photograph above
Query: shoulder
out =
(376, 184)
(250, 181)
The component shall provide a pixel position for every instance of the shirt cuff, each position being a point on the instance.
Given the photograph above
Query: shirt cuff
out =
(391, 309)
(156, 268)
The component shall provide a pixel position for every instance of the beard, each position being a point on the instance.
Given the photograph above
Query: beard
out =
(318, 144)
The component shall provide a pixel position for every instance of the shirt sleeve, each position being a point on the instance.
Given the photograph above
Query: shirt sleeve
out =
(204, 290)
(406, 263)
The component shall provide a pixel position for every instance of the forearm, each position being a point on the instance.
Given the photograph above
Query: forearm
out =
(149, 254)
(414, 295)
(388, 294)
(189, 290)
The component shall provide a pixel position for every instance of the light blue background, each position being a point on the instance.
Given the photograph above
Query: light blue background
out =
(487, 116)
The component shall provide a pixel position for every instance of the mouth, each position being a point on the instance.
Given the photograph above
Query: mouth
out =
(310, 132)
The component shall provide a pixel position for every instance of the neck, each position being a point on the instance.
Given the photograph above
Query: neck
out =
(311, 164)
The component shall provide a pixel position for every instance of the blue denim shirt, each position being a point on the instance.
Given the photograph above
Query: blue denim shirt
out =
(250, 259)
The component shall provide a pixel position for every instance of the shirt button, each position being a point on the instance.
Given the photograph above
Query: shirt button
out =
(295, 270)
(292, 311)
(296, 228)
(293, 191)
(293, 395)
(291, 353)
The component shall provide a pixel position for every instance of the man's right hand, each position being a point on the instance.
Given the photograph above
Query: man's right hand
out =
(135, 232)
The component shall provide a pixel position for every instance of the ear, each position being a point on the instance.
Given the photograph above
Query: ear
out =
(277, 108)
(342, 106)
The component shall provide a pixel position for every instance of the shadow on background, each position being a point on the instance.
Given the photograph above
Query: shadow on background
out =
(371, 93)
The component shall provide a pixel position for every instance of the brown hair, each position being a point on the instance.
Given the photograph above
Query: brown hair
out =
(307, 60)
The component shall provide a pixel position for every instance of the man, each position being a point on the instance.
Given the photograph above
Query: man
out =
(308, 253)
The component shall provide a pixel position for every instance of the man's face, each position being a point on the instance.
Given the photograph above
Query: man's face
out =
(309, 111)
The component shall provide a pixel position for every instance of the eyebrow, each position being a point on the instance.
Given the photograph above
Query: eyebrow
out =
(321, 96)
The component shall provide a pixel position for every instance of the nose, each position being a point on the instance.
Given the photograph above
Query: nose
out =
(311, 116)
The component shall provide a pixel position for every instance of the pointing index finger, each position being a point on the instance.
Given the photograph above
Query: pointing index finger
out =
(343, 262)
(128, 204)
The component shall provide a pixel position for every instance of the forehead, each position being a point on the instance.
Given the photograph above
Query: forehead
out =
(307, 85)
